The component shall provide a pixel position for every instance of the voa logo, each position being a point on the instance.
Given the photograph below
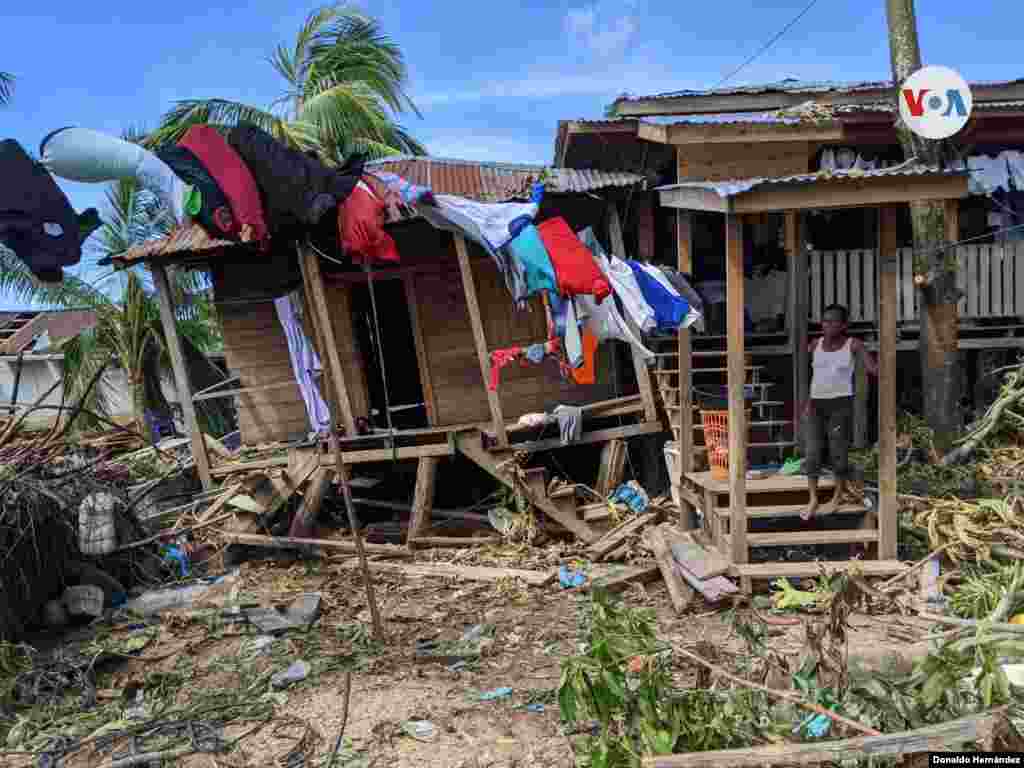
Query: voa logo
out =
(935, 102)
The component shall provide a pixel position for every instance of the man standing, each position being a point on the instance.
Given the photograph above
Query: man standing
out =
(830, 409)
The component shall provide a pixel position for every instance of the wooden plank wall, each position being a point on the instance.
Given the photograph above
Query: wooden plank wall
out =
(448, 341)
(257, 351)
(717, 162)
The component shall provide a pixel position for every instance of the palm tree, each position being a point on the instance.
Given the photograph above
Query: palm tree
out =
(128, 334)
(6, 87)
(344, 82)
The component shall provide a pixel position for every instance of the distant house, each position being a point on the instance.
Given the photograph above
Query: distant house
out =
(31, 361)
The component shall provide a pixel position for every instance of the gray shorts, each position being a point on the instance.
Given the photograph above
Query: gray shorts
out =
(831, 429)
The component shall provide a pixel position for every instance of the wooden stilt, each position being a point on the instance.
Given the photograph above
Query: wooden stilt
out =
(611, 468)
(480, 339)
(423, 496)
(737, 380)
(337, 399)
(181, 382)
(887, 308)
(643, 373)
(684, 419)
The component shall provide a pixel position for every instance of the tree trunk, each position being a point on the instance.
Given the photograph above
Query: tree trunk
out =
(138, 394)
(935, 269)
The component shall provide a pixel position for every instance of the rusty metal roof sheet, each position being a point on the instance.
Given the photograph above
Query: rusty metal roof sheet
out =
(57, 324)
(495, 182)
(193, 240)
(733, 187)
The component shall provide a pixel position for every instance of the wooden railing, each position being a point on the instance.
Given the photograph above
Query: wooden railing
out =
(991, 278)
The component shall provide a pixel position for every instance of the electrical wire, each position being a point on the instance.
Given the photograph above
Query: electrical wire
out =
(767, 45)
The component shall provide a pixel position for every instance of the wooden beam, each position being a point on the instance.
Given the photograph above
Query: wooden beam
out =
(387, 454)
(181, 382)
(469, 444)
(887, 307)
(611, 467)
(423, 496)
(597, 436)
(309, 510)
(288, 542)
(313, 281)
(679, 592)
(684, 417)
(479, 339)
(422, 360)
(796, 254)
(693, 199)
(747, 133)
(736, 380)
(931, 738)
(467, 572)
(643, 373)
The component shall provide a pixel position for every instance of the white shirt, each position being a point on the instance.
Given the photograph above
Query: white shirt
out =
(832, 371)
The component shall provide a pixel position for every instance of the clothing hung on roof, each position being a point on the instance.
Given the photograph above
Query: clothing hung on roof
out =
(214, 213)
(526, 255)
(574, 264)
(361, 227)
(485, 223)
(81, 154)
(659, 275)
(586, 373)
(688, 292)
(298, 190)
(567, 328)
(235, 180)
(305, 366)
(36, 220)
(670, 310)
(535, 353)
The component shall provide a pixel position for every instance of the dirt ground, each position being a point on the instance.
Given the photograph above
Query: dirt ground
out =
(529, 632)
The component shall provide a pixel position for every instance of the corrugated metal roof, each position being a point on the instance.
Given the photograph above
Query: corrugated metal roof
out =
(888, 106)
(192, 239)
(733, 187)
(792, 85)
(493, 182)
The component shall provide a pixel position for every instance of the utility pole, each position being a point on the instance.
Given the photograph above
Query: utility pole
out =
(935, 268)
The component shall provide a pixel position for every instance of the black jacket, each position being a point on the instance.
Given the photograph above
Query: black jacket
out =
(215, 206)
(36, 220)
(297, 189)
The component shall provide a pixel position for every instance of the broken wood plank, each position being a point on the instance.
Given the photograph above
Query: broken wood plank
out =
(932, 738)
(423, 542)
(612, 467)
(469, 444)
(218, 505)
(467, 572)
(702, 563)
(249, 466)
(621, 578)
(336, 545)
(620, 533)
(423, 495)
(306, 515)
(679, 592)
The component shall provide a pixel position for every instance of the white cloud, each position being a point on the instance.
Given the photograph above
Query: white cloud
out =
(490, 149)
(597, 28)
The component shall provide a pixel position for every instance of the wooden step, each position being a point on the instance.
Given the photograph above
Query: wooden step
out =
(803, 538)
(789, 510)
(782, 444)
(812, 570)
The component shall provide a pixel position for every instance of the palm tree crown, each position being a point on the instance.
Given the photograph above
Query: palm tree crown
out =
(344, 81)
(6, 87)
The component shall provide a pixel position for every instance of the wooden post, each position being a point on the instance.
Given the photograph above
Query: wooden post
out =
(684, 257)
(644, 229)
(887, 308)
(482, 353)
(737, 404)
(643, 373)
(181, 383)
(860, 406)
(423, 496)
(314, 285)
(337, 398)
(412, 300)
(798, 300)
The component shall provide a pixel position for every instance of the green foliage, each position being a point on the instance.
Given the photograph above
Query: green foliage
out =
(344, 82)
(981, 590)
(623, 680)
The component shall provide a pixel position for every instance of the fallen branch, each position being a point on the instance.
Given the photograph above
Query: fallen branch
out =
(784, 695)
(288, 542)
(995, 626)
(174, 532)
(966, 730)
(344, 717)
(914, 568)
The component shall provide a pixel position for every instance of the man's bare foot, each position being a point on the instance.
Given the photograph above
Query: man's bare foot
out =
(812, 508)
(830, 506)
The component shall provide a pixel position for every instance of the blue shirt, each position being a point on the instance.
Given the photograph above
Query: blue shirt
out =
(669, 310)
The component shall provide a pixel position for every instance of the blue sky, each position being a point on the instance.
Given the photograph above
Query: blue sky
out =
(491, 80)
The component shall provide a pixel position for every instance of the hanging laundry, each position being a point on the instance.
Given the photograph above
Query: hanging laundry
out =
(36, 220)
(574, 264)
(563, 312)
(526, 255)
(586, 374)
(214, 213)
(692, 315)
(305, 366)
(361, 227)
(670, 311)
(570, 422)
(683, 287)
(234, 178)
(80, 154)
(624, 285)
(988, 174)
(525, 355)
(408, 194)
(485, 223)
(298, 190)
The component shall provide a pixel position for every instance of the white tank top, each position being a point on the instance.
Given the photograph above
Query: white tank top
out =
(833, 371)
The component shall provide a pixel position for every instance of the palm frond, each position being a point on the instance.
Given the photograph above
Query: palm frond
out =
(222, 113)
(84, 355)
(6, 87)
(19, 284)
